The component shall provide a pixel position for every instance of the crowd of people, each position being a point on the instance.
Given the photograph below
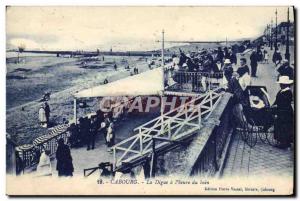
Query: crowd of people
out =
(206, 60)
(237, 78)
(210, 63)
(85, 132)
(82, 134)
(281, 113)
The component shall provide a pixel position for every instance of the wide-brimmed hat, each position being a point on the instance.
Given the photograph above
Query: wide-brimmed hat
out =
(285, 80)
(227, 61)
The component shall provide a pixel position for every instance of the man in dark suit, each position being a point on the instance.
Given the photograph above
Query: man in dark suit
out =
(254, 58)
(243, 68)
(232, 57)
(277, 57)
(47, 112)
(286, 70)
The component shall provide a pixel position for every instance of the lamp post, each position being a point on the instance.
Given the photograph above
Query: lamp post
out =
(271, 34)
(287, 51)
(268, 34)
(163, 49)
(276, 31)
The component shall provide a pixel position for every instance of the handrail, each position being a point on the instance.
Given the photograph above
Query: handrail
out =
(29, 154)
(175, 109)
(193, 81)
(165, 127)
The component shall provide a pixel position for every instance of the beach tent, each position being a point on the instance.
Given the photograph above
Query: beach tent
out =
(146, 83)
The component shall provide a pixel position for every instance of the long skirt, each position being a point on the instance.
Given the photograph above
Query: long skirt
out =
(284, 127)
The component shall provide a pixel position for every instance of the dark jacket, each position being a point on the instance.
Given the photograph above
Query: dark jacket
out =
(64, 161)
(239, 96)
(233, 58)
(228, 71)
(47, 110)
(286, 70)
(254, 58)
(276, 57)
(284, 99)
(284, 123)
(220, 55)
(242, 70)
(215, 68)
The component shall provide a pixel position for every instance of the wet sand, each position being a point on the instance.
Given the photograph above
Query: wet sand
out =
(60, 76)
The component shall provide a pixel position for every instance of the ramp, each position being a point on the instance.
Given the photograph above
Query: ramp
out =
(173, 126)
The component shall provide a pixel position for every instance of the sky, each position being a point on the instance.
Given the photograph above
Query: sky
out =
(131, 28)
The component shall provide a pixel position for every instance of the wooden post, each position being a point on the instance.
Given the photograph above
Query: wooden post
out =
(114, 159)
(169, 130)
(152, 166)
(75, 111)
(199, 115)
(287, 51)
(271, 34)
(276, 29)
(141, 142)
(162, 50)
(162, 112)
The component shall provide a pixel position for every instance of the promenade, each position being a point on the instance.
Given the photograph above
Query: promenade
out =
(262, 159)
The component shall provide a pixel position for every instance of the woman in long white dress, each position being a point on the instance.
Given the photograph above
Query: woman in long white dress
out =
(42, 117)
(44, 167)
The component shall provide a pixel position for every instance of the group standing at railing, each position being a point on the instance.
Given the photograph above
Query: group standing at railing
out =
(73, 135)
(202, 69)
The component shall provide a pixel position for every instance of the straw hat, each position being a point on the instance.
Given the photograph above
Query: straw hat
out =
(285, 80)
(227, 61)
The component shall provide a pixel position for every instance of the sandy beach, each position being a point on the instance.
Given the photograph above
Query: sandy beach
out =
(28, 80)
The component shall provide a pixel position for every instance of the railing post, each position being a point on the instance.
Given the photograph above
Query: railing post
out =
(114, 159)
(209, 81)
(169, 130)
(199, 77)
(199, 116)
(185, 110)
(141, 144)
(75, 111)
(24, 161)
(152, 168)
(211, 101)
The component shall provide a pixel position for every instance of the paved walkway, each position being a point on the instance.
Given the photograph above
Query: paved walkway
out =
(263, 159)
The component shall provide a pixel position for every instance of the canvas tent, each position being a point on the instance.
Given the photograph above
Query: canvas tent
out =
(147, 83)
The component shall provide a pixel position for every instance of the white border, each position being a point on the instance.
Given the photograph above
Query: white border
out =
(3, 3)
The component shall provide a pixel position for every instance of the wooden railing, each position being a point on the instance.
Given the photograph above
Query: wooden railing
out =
(28, 155)
(171, 126)
(193, 81)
